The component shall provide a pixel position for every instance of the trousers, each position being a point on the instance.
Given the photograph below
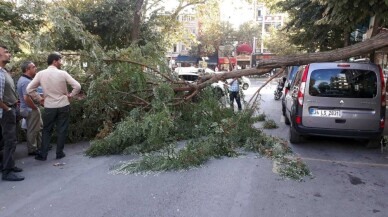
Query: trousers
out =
(235, 95)
(34, 128)
(8, 127)
(60, 118)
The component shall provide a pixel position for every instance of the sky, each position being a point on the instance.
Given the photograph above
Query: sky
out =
(234, 11)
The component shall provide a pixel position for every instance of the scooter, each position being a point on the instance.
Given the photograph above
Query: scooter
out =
(278, 92)
(279, 89)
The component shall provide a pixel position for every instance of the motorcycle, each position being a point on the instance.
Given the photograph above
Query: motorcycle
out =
(279, 90)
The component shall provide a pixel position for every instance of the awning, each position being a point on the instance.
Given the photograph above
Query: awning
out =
(186, 59)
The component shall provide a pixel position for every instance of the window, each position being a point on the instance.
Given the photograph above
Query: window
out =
(347, 83)
(259, 14)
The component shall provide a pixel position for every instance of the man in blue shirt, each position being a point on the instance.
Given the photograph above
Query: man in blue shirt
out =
(234, 93)
(29, 109)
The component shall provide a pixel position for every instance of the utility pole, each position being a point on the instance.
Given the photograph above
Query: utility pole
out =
(262, 31)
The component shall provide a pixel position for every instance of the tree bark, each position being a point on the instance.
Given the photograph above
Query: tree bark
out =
(136, 21)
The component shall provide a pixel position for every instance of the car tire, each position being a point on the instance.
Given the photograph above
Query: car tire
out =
(295, 137)
(245, 86)
(286, 120)
(374, 143)
(283, 110)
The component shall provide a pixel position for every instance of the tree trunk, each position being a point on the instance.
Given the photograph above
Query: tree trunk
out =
(265, 66)
(346, 38)
(136, 20)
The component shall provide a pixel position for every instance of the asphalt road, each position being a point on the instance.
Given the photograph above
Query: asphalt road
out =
(348, 180)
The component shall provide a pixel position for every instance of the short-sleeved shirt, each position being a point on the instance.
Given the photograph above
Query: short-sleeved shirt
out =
(234, 87)
(22, 91)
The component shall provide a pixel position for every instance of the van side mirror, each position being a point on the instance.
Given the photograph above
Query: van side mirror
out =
(295, 91)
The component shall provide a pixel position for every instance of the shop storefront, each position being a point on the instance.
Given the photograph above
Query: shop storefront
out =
(186, 61)
(226, 63)
(243, 57)
(243, 61)
(257, 58)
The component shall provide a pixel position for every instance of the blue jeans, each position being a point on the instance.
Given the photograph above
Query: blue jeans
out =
(60, 117)
(8, 127)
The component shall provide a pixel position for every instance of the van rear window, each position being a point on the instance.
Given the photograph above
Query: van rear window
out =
(347, 83)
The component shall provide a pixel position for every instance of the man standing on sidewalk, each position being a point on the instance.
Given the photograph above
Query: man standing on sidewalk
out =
(8, 100)
(29, 110)
(56, 100)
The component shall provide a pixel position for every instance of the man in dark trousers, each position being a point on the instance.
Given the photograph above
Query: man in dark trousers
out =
(8, 103)
(56, 100)
(234, 93)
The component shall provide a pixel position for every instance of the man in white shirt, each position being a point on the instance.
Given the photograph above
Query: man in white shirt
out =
(56, 102)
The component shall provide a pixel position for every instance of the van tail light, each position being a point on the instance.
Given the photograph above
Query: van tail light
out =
(383, 93)
(302, 86)
(298, 120)
(382, 123)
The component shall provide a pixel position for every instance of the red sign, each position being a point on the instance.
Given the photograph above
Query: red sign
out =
(226, 60)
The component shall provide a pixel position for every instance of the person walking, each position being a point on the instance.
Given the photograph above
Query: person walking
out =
(8, 103)
(234, 93)
(29, 109)
(56, 101)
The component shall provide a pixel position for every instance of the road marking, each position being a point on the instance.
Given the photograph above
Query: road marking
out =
(345, 162)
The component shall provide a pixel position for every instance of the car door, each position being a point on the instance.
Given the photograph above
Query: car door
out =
(290, 98)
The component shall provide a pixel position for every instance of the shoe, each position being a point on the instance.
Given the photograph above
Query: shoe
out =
(10, 176)
(61, 155)
(40, 157)
(34, 153)
(16, 169)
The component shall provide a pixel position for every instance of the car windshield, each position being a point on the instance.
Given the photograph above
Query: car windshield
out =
(192, 78)
(348, 83)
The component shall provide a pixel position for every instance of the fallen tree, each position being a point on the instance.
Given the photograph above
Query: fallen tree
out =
(265, 66)
(147, 111)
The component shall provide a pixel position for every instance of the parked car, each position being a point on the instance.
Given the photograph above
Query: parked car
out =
(193, 70)
(218, 87)
(186, 69)
(337, 100)
(245, 81)
(188, 76)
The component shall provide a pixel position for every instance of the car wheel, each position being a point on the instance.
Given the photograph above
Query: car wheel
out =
(295, 137)
(283, 110)
(374, 143)
(245, 86)
(286, 120)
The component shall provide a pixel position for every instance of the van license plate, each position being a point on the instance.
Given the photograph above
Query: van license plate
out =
(325, 113)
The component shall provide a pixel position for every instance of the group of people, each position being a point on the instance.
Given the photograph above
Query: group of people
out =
(55, 100)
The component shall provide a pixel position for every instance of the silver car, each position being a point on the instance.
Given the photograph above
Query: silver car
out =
(338, 100)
